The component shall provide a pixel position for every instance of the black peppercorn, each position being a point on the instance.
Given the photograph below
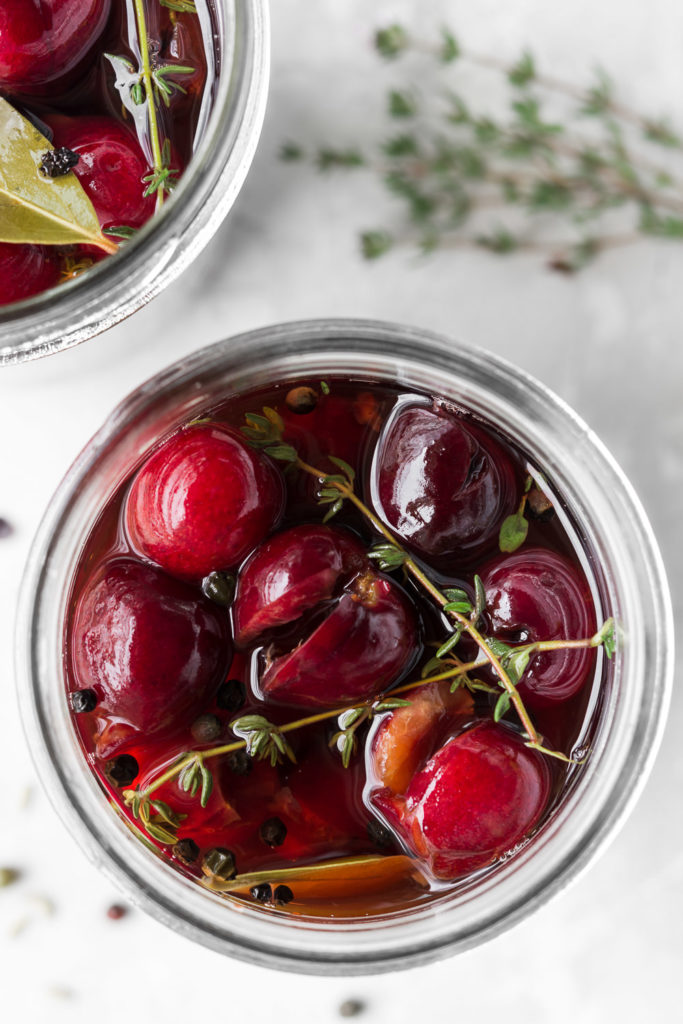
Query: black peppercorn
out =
(231, 695)
(206, 729)
(220, 587)
(5, 528)
(58, 162)
(121, 770)
(302, 400)
(263, 893)
(83, 700)
(186, 850)
(273, 832)
(239, 762)
(379, 834)
(220, 863)
(282, 895)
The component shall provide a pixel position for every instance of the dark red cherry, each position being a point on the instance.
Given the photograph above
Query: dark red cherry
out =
(536, 594)
(290, 574)
(154, 649)
(477, 797)
(111, 167)
(25, 270)
(202, 502)
(441, 483)
(43, 41)
(367, 640)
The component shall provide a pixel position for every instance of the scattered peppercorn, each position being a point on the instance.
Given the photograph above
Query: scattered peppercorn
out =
(186, 850)
(121, 770)
(240, 763)
(351, 1008)
(263, 893)
(220, 863)
(539, 505)
(220, 587)
(206, 729)
(379, 834)
(5, 529)
(116, 911)
(58, 162)
(83, 701)
(231, 695)
(273, 832)
(8, 876)
(282, 895)
(302, 400)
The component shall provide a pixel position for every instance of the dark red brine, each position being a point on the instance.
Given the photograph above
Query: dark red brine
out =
(264, 677)
(73, 68)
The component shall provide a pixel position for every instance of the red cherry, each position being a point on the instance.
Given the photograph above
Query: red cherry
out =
(202, 501)
(25, 270)
(364, 644)
(111, 167)
(535, 594)
(443, 484)
(154, 649)
(477, 797)
(42, 42)
(290, 574)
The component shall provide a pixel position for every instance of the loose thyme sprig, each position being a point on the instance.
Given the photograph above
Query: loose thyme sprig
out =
(447, 162)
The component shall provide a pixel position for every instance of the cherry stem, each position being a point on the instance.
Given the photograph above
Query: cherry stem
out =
(149, 92)
(441, 599)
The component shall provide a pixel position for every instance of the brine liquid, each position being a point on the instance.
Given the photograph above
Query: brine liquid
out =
(323, 804)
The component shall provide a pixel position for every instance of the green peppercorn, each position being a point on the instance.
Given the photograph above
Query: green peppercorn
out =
(219, 863)
(219, 587)
(206, 729)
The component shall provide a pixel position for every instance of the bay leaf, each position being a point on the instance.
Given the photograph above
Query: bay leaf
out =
(344, 876)
(35, 209)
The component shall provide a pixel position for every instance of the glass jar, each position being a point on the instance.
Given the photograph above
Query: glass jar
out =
(632, 587)
(168, 243)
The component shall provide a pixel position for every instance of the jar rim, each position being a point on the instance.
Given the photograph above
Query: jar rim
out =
(583, 826)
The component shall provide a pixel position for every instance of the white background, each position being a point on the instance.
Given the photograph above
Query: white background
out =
(608, 341)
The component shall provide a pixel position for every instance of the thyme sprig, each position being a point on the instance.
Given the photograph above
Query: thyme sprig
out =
(584, 169)
(266, 432)
(146, 87)
(264, 740)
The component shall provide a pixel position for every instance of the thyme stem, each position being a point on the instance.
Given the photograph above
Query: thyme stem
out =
(149, 93)
(413, 568)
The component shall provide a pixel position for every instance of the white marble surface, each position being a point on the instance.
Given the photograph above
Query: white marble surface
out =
(609, 341)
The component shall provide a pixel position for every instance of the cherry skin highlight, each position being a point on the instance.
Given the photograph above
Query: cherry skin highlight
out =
(111, 167)
(43, 42)
(291, 573)
(536, 594)
(477, 797)
(364, 644)
(153, 648)
(442, 484)
(25, 270)
(202, 502)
